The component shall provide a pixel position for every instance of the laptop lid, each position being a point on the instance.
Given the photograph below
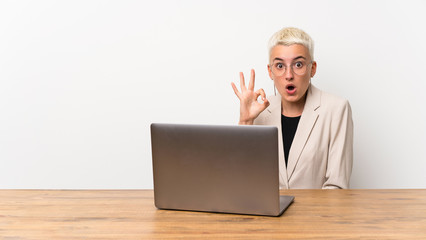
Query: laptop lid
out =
(229, 169)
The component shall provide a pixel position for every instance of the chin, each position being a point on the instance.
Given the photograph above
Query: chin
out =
(292, 99)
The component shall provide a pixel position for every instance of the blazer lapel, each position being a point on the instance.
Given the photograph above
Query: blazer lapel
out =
(274, 118)
(306, 124)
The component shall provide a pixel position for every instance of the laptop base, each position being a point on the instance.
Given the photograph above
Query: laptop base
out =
(285, 202)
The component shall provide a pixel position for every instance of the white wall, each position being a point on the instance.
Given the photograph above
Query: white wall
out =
(81, 81)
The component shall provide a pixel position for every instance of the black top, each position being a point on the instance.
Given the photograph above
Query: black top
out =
(289, 127)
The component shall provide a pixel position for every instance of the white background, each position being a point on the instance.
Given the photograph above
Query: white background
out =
(81, 82)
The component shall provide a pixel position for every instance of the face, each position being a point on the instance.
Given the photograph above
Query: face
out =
(286, 66)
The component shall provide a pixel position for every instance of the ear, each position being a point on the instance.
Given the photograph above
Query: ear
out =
(314, 69)
(270, 72)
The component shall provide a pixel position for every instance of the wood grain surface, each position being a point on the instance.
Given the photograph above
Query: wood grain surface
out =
(131, 214)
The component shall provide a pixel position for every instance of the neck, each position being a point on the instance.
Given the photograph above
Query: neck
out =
(293, 109)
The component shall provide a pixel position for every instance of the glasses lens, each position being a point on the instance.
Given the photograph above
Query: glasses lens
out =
(278, 69)
(298, 68)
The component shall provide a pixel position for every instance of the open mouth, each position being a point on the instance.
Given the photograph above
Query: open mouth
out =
(291, 89)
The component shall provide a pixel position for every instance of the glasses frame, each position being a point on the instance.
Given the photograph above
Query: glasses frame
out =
(291, 67)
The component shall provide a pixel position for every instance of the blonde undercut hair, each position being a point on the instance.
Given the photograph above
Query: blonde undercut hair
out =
(289, 36)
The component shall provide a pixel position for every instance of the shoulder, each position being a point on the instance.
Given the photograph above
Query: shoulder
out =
(267, 116)
(275, 102)
(329, 101)
(333, 107)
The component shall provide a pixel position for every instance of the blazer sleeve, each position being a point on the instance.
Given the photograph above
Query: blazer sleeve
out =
(340, 154)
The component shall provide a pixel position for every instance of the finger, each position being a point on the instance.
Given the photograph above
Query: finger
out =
(265, 104)
(251, 83)
(256, 95)
(262, 93)
(242, 83)
(236, 90)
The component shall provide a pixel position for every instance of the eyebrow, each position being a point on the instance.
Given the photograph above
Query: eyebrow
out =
(280, 59)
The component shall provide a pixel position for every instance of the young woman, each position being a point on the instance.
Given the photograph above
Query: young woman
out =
(315, 128)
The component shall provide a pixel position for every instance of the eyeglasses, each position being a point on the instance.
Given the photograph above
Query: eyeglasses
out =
(298, 68)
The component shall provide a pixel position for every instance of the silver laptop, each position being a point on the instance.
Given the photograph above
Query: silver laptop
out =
(226, 169)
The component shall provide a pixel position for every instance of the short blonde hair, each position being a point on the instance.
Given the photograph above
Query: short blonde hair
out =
(289, 36)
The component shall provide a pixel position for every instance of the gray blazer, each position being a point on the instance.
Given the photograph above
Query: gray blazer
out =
(322, 150)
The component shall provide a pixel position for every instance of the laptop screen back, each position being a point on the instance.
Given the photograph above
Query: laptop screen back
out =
(230, 169)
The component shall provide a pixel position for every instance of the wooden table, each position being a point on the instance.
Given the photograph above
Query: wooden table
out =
(131, 214)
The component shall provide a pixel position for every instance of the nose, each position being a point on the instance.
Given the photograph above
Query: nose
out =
(288, 74)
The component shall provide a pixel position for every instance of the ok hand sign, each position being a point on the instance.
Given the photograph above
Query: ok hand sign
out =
(250, 108)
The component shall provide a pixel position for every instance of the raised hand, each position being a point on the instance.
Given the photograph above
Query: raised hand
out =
(250, 107)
